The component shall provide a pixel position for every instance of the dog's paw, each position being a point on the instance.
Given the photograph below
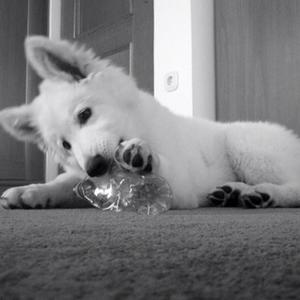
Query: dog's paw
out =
(256, 200)
(240, 194)
(224, 196)
(135, 155)
(27, 197)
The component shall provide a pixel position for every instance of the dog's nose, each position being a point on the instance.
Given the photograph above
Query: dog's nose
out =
(97, 166)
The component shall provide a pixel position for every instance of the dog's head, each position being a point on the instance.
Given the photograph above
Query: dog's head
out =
(86, 106)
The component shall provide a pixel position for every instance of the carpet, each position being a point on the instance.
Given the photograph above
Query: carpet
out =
(212, 253)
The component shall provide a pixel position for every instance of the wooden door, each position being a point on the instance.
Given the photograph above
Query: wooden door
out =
(121, 30)
(258, 60)
(19, 163)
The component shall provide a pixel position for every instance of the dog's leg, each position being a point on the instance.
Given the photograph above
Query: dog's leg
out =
(267, 175)
(136, 155)
(256, 196)
(265, 159)
(57, 193)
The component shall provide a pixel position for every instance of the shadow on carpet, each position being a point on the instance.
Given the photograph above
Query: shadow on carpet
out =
(201, 254)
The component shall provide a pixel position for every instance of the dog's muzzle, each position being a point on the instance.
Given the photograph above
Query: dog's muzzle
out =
(97, 166)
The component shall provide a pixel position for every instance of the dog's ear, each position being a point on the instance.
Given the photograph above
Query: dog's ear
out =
(59, 60)
(18, 121)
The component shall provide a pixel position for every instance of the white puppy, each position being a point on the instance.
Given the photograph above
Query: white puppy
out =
(87, 107)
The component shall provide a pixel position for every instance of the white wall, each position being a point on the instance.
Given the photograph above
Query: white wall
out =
(172, 52)
(184, 43)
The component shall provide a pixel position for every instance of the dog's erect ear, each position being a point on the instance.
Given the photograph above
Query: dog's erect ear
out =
(59, 60)
(18, 121)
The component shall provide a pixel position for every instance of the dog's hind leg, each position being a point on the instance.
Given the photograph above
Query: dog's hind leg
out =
(57, 193)
(266, 161)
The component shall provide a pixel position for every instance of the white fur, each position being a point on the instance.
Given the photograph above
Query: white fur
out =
(194, 155)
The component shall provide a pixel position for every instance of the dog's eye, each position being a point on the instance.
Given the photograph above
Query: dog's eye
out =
(66, 145)
(84, 115)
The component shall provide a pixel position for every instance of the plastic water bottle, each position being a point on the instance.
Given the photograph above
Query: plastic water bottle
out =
(127, 191)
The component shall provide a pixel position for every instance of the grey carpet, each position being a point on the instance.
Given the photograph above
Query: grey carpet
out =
(202, 254)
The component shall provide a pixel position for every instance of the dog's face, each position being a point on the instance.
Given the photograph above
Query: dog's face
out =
(85, 107)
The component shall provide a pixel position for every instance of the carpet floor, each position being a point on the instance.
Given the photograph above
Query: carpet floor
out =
(213, 253)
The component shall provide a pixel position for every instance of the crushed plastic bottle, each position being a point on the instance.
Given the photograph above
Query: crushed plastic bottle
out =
(147, 194)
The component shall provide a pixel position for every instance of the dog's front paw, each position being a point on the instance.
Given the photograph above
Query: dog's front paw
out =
(135, 155)
(29, 196)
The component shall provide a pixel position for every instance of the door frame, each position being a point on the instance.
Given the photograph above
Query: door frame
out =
(54, 21)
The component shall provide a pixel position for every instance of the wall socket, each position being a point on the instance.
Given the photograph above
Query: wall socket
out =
(171, 81)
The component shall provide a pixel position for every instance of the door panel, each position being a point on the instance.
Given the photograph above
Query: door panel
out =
(258, 60)
(95, 13)
(121, 58)
(20, 163)
(109, 40)
(121, 30)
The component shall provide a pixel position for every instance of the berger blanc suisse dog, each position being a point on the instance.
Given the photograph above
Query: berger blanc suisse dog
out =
(87, 107)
